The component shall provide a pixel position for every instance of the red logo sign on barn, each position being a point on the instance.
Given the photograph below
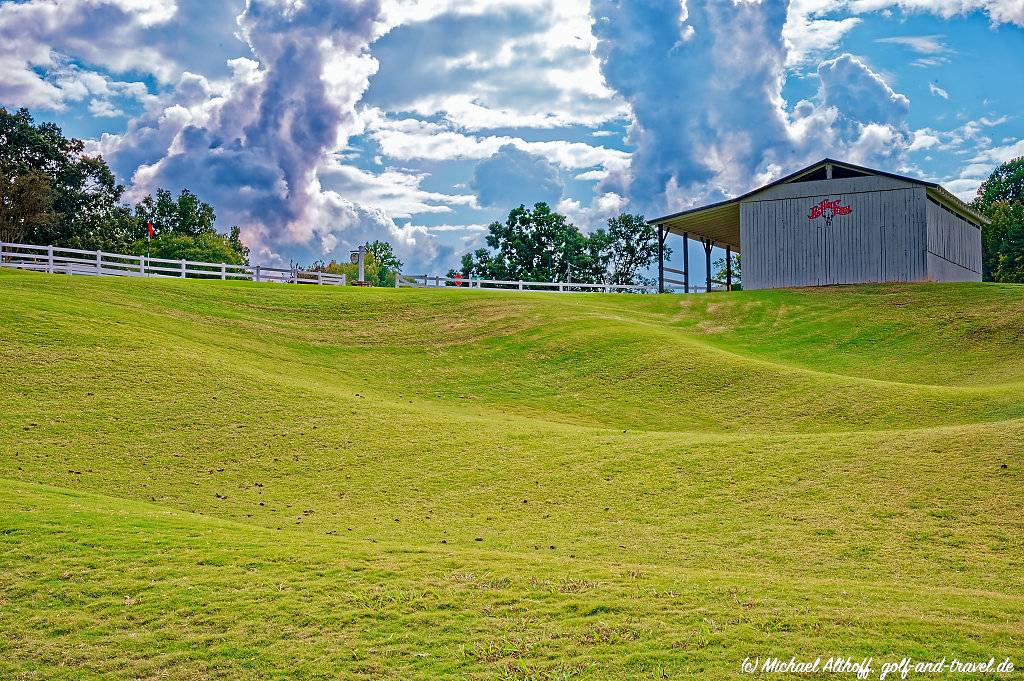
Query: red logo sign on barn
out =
(828, 210)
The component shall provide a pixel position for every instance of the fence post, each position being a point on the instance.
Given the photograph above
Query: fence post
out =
(257, 273)
(99, 262)
(320, 278)
(424, 281)
(398, 275)
(344, 280)
(49, 258)
(182, 268)
(142, 265)
(223, 272)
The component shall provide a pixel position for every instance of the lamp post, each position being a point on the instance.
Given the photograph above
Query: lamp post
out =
(359, 257)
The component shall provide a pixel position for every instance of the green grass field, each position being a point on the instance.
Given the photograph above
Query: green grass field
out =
(234, 480)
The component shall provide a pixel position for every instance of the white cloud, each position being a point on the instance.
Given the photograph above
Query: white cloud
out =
(409, 139)
(396, 192)
(102, 108)
(922, 44)
(937, 91)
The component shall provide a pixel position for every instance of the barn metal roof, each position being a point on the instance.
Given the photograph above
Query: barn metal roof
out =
(720, 222)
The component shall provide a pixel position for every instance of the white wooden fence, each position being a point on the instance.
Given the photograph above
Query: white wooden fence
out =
(59, 260)
(434, 281)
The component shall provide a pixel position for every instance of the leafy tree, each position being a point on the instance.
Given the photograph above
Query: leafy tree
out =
(737, 271)
(534, 244)
(183, 227)
(628, 247)
(1006, 184)
(205, 247)
(85, 206)
(539, 244)
(26, 204)
(385, 260)
(1008, 220)
(1001, 199)
(184, 215)
(371, 270)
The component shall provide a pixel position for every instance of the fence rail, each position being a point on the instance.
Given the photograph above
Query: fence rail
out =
(60, 260)
(437, 281)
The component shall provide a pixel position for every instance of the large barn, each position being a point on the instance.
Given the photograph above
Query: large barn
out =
(834, 223)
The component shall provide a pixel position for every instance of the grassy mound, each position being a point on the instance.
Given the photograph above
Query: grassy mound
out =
(232, 479)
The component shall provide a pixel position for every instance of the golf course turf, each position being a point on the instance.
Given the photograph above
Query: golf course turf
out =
(225, 479)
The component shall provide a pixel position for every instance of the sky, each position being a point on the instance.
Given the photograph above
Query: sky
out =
(316, 125)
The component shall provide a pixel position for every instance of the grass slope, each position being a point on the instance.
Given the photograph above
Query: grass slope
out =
(231, 479)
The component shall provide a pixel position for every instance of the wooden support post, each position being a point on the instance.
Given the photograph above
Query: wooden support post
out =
(728, 268)
(142, 265)
(708, 245)
(661, 259)
(223, 272)
(182, 268)
(99, 262)
(686, 262)
(49, 258)
(257, 272)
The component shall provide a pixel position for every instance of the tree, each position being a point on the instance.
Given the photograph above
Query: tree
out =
(184, 227)
(627, 248)
(85, 195)
(1001, 199)
(1008, 220)
(737, 271)
(1006, 184)
(535, 244)
(26, 204)
(371, 270)
(538, 244)
(385, 260)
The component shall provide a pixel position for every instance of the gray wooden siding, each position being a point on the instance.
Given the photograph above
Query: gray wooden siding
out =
(849, 185)
(883, 239)
(954, 246)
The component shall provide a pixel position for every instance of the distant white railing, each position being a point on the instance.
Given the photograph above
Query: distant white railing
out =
(60, 260)
(436, 281)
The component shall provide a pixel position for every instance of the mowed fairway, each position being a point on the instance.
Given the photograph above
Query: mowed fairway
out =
(209, 479)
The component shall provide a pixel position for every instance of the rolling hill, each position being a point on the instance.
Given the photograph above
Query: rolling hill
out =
(210, 479)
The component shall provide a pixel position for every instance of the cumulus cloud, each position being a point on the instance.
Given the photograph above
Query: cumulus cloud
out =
(255, 146)
(512, 176)
(493, 65)
(709, 117)
(848, 84)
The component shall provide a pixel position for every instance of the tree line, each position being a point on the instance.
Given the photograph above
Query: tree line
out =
(538, 244)
(53, 193)
(1001, 199)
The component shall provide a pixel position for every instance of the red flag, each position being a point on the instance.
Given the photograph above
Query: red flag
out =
(149, 228)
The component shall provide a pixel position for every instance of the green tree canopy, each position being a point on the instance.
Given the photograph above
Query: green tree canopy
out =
(52, 192)
(1001, 199)
(538, 244)
(183, 227)
(1006, 184)
(386, 262)
(85, 210)
(26, 204)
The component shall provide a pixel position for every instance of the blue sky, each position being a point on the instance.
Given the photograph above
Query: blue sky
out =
(317, 124)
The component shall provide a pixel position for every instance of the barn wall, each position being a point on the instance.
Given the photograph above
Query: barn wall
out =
(883, 238)
(954, 246)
